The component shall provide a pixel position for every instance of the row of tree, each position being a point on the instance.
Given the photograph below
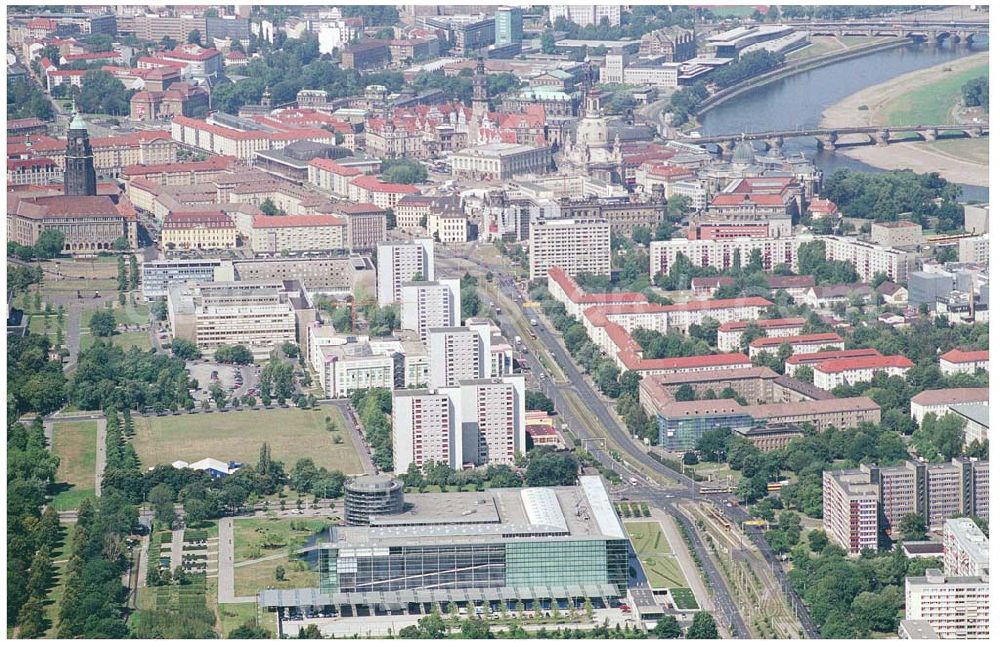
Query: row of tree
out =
(49, 245)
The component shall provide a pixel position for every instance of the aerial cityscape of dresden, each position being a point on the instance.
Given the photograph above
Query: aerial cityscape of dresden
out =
(482, 321)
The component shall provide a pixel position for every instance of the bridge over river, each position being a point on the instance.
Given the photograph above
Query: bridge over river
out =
(936, 30)
(828, 138)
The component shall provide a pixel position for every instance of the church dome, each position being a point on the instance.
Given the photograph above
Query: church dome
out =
(744, 153)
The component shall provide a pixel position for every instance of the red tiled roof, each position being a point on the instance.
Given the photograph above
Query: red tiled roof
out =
(823, 206)
(67, 72)
(214, 163)
(763, 323)
(372, 183)
(825, 355)
(766, 184)
(268, 222)
(359, 208)
(333, 167)
(576, 294)
(873, 362)
(201, 55)
(38, 161)
(718, 304)
(42, 23)
(956, 356)
(712, 281)
(815, 338)
(784, 282)
(675, 363)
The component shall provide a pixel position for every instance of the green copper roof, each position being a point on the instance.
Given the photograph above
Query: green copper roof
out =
(78, 123)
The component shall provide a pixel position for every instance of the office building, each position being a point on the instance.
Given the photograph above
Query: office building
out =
(509, 25)
(576, 246)
(158, 275)
(400, 263)
(502, 546)
(430, 304)
(347, 363)
(956, 607)
(674, 43)
(498, 162)
(585, 15)
(328, 274)
(315, 233)
(901, 233)
(89, 224)
(260, 316)
(966, 548)
(755, 385)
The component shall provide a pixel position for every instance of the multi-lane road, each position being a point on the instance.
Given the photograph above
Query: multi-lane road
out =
(659, 495)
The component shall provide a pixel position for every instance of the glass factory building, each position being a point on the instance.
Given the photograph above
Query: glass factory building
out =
(497, 545)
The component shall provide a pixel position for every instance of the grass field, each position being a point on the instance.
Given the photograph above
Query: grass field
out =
(125, 340)
(716, 471)
(76, 445)
(974, 150)
(237, 436)
(131, 314)
(254, 538)
(234, 615)
(931, 103)
(654, 552)
(253, 578)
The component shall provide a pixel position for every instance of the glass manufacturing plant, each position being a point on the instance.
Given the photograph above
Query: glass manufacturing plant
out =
(492, 548)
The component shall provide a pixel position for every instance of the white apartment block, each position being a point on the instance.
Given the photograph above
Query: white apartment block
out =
(430, 304)
(491, 411)
(424, 429)
(730, 334)
(345, 363)
(400, 263)
(974, 250)
(850, 510)
(577, 245)
(966, 548)
(584, 15)
(721, 253)
(685, 315)
(341, 372)
(271, 234)
(457, 353)
(957, 607)
(964, 361)
(868, 259)
(799, 344)
(832, 373)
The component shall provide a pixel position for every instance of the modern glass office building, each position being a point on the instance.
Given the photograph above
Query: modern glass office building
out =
(499, 545)
(682, 424)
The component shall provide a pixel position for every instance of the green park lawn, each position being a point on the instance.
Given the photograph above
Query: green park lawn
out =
(252, 578)
(237, 436)
(684, 598)
(124, 340)
(75, 443)
(256, 538)
(931, 103)
(131, 314)
(653, 550)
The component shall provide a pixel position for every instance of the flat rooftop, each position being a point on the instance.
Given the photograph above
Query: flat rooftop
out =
(496, 516)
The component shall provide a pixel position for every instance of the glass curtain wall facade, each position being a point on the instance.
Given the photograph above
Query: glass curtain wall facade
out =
(460, 566)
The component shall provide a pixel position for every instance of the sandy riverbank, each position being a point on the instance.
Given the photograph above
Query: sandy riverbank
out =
(921, 157)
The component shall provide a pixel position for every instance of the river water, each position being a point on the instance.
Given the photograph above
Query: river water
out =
(799, 101)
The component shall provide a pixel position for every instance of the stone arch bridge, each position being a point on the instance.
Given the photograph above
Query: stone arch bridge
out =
(828, 138)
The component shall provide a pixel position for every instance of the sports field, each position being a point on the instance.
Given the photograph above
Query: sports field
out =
(653, 550)
(75, 443)
(237, 436)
